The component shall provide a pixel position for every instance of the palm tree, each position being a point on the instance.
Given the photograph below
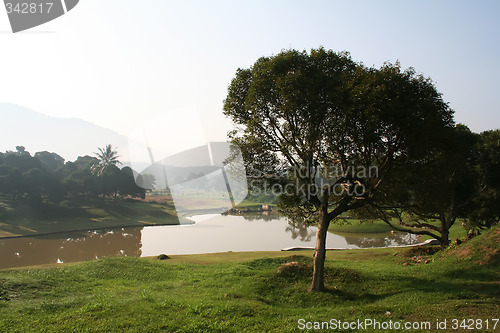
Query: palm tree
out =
(107, 157)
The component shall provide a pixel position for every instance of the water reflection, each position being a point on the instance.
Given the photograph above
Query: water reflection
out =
(383, 240)
(264, 216)
(301, 231)
(220, 233)
(70, 247)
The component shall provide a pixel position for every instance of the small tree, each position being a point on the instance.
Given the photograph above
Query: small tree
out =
(333, 128)
(146, 181)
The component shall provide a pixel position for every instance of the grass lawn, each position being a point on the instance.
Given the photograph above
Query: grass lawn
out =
(366, 227)
(358, 226)
(20, 218)
(253, 292)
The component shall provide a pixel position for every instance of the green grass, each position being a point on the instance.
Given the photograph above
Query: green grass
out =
(456, 231)
(247, 292)
(21, 218)
(366, 227)
(358, 226)
(251, 205)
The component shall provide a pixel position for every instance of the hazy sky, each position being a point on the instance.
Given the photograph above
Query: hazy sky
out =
(119, 62)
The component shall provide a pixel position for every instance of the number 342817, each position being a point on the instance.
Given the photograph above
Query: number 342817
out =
(29, 8)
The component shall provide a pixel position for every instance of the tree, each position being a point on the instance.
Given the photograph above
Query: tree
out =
(23, 175)
(50, 161)
(111, 180)
(459, 180)
(332, 129)
(22, 161)
(438, 189)
(81, 181)
(11, 181)
(107, 157)
(128, 186)
(35, 183)
(21, 150)
(146, 181)
(485, 210)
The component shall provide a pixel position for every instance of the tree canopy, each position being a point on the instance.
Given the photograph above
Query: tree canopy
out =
(456, 181)
(327, 131)
(486, 204)
(107, 157)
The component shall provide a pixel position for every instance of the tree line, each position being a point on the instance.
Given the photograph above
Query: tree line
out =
(45, 176)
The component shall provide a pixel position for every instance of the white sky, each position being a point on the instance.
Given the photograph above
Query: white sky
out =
(119, 62)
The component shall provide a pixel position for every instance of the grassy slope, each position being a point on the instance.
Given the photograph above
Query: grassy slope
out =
(243, 292)
(22, 219)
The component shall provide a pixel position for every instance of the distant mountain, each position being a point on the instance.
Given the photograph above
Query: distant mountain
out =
(68, 137)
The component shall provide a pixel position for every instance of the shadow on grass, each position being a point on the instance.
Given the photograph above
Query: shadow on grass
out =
(467, 284)
(285, 282)
(24, 218)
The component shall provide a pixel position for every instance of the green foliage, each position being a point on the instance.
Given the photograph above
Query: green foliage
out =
(46, 177)
(108, 157)
(359, 226)
(457, 180)
(485, 210)
(50, 161)
(22, 161)
(307, 120)
(302, 116)
(41, 195)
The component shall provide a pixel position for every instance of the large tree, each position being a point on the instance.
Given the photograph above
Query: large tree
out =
(338, 127)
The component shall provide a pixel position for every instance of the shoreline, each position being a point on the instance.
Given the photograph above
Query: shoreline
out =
(182, 216)
(186, 216)
(304, 248)
(92, 229)
(188, 222)
(195, 256)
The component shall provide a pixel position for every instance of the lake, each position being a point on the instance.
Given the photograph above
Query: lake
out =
(210, 233)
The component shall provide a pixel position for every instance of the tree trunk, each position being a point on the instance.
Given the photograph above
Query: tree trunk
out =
(318, 282)
(445, 233)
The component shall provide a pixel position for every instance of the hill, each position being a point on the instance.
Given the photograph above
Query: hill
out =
(481, 250)
(68, 137)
